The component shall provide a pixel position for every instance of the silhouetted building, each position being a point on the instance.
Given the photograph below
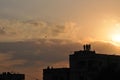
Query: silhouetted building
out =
(56, 74)
(11, 76)
(87, 65)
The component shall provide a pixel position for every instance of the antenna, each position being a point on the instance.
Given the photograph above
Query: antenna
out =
(87, 47)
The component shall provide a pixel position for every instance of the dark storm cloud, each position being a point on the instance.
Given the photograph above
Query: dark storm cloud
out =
(48, 51)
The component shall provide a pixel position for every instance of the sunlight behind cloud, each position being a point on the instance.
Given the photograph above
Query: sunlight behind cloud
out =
(114, 33)
(116, 38)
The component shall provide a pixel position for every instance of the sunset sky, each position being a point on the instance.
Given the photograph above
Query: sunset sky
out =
(35, 34)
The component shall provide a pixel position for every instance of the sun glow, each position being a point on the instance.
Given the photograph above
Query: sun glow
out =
(116, 38)
(114, 33)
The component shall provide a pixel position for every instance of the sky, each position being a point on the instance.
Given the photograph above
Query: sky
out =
(35, 34)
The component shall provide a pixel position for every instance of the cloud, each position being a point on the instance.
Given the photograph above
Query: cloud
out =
(106, 48)
(35, 54)
(32, 29)
(32, 56)
(4, 57)
(16, 30)
(46, 50)
(2, 30)
(29, 46)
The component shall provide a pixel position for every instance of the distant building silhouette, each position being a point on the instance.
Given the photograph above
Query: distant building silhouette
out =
(56, 74)
(11, 76)
(86, 65)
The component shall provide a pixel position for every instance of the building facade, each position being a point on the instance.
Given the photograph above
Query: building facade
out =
(56, 74)
(87, 65)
